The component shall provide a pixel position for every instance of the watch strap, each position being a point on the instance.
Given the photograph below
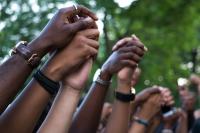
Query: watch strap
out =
(21, 49)
(124, 97)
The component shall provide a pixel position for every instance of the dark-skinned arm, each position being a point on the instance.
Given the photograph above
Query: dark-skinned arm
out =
(56, 34)
(85, 122)
(29, 105)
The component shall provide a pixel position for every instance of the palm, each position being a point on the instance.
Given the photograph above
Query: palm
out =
(125, 74)
(78, 78)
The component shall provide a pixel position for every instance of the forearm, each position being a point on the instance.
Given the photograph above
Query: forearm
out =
(10, 71)
(24, 112)
(119, 118)
(137, 128)
(182, 126)
(60, 116)
(121, 113)
(14, 72)
(87, 118)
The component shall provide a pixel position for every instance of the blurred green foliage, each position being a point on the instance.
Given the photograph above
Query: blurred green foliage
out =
(170, 30)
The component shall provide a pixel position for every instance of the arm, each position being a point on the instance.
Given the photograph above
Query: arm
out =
(60, 116)
(121, 110)
(148, 110)
(182, 122)
(85, 122)
(23, 109)
(55, 34)
(9, 74)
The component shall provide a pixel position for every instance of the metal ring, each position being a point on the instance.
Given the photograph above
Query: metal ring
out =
(76, 9)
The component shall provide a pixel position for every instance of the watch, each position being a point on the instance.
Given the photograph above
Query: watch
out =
(32, 59)
(126, 97)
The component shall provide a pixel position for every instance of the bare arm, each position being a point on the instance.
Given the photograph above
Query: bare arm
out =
(60, 116)
(146, 113)
(119, 118)
(85, 122)
(24, 110)
(121, 110)
(55, 34)
(182, 122)
(10, 71)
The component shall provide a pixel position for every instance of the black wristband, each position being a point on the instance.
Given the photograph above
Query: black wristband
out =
(49, 85)
(124, 97)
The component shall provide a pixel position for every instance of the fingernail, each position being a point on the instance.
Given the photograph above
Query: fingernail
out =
(134, 37)
(96, 18)
(145, 48)
(89, 19)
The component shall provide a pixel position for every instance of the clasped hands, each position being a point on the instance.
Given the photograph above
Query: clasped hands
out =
(76, 45)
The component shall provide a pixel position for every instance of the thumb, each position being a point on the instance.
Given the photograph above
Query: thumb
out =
(85, 70)
(80, 25)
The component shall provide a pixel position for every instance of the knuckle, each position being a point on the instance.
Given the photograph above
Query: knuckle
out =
(70, 29)
(80, 38)
(61, 11)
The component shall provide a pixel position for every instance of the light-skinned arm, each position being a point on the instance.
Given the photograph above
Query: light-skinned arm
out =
(24, 112)
(60, 116)
(120, 116)
(85, 122)
(56, 34)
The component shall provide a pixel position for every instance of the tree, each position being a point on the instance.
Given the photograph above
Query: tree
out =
(170, 29)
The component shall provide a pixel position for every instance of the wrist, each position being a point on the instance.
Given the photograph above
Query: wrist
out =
(105, 75)
(144, 115)
(71, 90)
(51, 72)
(124, 88)
(141, 121)
(168, 126)
(39, 46)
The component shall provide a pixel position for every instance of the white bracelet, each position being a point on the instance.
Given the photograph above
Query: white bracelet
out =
(97, 79)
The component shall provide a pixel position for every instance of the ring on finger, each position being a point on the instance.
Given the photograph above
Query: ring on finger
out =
(75, 9)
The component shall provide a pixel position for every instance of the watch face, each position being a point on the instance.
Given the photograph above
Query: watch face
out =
(96, 74)
(133, 90)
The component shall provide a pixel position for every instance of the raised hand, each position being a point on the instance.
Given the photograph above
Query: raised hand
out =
(167, 98)
(127, 56)
(77, 79)
(59, 32)
(145, 94)
(77, 52)
(67, 99)
(147, 112)
(138, 50)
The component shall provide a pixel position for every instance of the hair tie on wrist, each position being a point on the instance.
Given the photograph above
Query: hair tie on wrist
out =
(141, 121)
(49, 85)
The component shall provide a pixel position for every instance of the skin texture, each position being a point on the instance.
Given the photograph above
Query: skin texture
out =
(155, 97)
(85, 122)
(147, 113)
(121, 110)
(60, 116)
(136, 76)
(28, 107)
(54, 35)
